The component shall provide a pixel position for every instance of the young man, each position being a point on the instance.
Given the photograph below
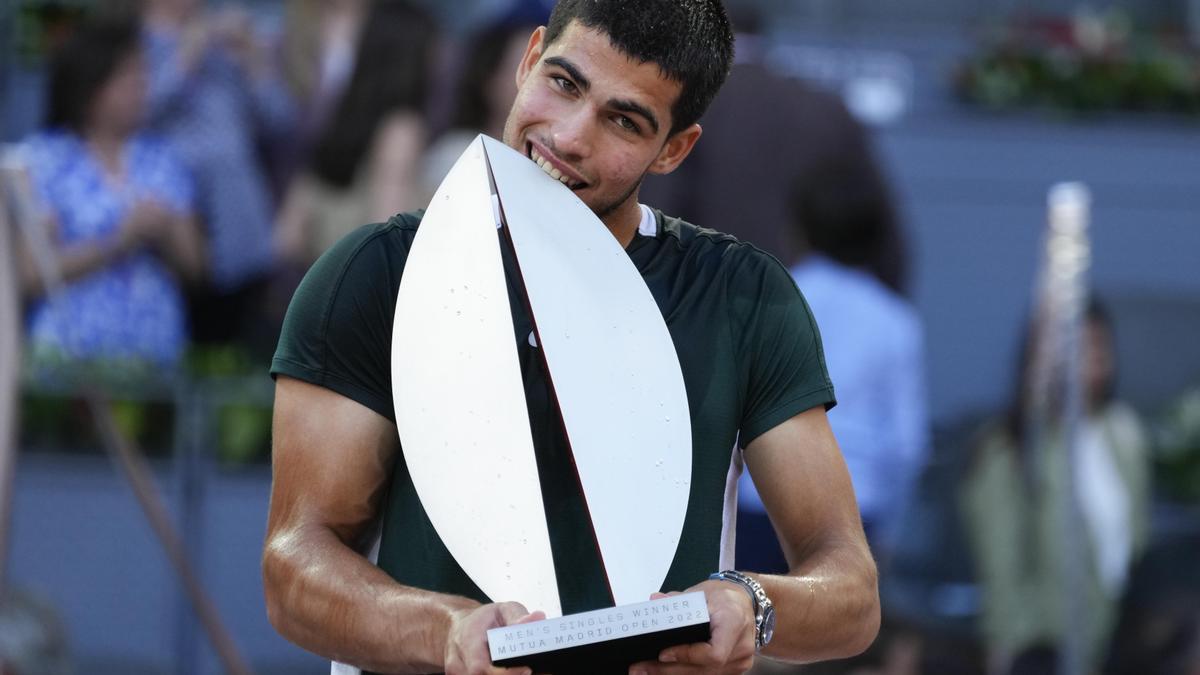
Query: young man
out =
(607, 94)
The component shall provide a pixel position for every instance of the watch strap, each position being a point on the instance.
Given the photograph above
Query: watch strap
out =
(758, 599)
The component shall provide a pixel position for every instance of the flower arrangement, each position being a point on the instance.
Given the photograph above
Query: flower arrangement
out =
(1177, 456)
(1086, 63)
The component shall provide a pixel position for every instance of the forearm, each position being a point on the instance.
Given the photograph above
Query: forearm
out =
(274, 108)
(184, 249)
(827, 607)
(72, 262)
(328, 599)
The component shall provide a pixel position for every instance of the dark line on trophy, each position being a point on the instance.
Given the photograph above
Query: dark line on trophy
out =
(506, 237)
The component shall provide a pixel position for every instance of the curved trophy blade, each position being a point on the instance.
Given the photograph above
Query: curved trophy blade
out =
(613, 368)
(460, 404)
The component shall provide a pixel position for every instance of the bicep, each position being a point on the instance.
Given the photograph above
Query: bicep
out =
(799, 472)
(332, 461)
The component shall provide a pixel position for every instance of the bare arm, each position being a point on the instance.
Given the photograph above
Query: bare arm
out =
(332, 461)
(176, 237)
(291, 238)
(399, 147)
(183, 247)
(827, 606)
(74, 261)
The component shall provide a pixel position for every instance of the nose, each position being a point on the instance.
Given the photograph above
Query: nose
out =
(572, 135)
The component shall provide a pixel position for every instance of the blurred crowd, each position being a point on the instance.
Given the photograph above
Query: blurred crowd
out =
(191, 167)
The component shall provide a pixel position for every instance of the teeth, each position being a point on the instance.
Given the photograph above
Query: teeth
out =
(549, 169)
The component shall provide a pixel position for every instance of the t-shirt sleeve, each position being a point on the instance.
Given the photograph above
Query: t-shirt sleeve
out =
(781, 361)
(337, 332)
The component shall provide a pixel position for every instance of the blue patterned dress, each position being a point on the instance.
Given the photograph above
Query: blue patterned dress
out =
(132, 309)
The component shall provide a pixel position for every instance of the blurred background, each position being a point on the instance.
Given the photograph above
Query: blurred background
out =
(172, 167)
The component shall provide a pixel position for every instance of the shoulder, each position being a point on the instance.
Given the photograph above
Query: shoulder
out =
(1125, 426)
(740, 263)
(348, 295)
(154, 151)
(836, 289)
(371, 250)
(48, 149)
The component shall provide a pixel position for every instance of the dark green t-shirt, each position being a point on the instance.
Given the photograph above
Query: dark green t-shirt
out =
(747, 344)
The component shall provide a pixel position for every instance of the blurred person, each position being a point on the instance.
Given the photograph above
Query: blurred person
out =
(874, 348)
(215, 94)
(365, 165)
(786, 167)
(485, 93)
(320, 43)
(119, 207)
(762, 133)
(1012, 512)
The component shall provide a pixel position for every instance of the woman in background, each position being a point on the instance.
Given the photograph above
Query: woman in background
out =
(364, 166)
(485, 94)
(1011, 505)
(118, 207)
(320, 40)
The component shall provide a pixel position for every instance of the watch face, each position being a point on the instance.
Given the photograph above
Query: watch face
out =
(768, 625)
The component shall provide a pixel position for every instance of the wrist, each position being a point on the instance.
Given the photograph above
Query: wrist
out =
(449, 612)
(761, 606)
(122, 244)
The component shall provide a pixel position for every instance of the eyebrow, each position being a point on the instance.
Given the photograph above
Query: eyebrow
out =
(584, 84)
(628, 106)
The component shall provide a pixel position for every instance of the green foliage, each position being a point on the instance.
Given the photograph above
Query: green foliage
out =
(1177, 450)
(232, 389)
(1084, 64)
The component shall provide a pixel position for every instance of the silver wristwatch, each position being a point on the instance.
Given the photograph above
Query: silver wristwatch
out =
(764, 611)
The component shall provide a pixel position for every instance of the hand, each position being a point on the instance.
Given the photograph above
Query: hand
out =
(466, 644)
(193, 43)
(729, 650)
(233, 29)
(149, 223)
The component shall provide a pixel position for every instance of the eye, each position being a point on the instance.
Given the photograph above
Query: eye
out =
(627, 124)
(564, 84)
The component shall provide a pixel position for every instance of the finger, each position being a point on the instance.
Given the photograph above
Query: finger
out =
(530, 618)
(696, 654)
(510, 612)
(481, 663)
(724, 640)
(654, 668)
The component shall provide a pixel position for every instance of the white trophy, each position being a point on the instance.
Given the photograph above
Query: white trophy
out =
(613, 370)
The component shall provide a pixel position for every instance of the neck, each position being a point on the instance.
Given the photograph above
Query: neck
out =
(108, 146)
(624, 220)
(163, 16)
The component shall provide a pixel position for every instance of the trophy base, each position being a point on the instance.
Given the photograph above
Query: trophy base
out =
(602, 641)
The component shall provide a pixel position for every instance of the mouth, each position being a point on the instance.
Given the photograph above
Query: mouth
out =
(555, 168)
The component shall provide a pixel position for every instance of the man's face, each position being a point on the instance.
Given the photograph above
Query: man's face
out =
(595, 119)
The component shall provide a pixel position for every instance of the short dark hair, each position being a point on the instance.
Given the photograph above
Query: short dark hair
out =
(689, 40)
(82, 65)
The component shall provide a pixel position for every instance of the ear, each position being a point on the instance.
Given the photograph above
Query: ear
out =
(676, 149)
(533, 53)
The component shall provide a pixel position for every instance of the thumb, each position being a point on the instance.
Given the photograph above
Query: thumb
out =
(511, 612)
(531, 617)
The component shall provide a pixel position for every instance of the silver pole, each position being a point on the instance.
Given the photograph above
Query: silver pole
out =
(10, 340)
(1068, 260)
